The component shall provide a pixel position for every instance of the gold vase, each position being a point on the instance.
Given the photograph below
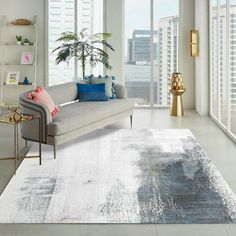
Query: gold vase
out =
(177, 81)
(177, 90)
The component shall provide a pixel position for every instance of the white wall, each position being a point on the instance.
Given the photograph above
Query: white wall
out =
(16, 9)
(114, 24)
(186, 63)
(201, 63)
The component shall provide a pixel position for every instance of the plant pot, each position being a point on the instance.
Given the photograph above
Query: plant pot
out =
(26, 44)
(18, 43)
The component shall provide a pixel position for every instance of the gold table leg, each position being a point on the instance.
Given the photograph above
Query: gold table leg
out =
(15, 147)
(16, 155)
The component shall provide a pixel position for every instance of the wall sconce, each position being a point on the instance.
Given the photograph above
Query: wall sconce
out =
(194, 43)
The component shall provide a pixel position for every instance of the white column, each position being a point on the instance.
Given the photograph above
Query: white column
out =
(186, 63)
(114, 24)
(201, 62)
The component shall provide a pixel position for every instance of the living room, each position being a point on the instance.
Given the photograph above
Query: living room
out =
(117, 117)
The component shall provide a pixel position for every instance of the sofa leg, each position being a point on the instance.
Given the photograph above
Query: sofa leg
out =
(55, 151)
(131, 121)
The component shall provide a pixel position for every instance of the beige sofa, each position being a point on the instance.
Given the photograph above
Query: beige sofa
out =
(75, 118)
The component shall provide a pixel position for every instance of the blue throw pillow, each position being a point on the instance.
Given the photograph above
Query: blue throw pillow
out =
(92, 92)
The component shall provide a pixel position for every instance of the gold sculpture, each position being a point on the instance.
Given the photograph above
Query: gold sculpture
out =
(16, 115)
(177, 89)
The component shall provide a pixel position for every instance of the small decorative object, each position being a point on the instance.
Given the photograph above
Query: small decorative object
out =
(13, 77)
(19, 39)
(86, 48)
(27, 58)
(177, 81)
(26, 81)
(26, 42)
(16, 115)
(194, 43)
(177, 90)
(21, 22)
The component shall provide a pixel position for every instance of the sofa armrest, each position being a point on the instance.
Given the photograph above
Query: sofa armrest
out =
(121, 91)
(29, 130)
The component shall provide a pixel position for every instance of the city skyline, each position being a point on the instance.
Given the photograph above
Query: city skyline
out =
(139, 47)
(137, 72)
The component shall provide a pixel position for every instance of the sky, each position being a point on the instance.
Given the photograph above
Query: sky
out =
(137, 13)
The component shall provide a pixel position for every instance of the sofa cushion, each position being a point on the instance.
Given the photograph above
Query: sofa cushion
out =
(41, 96)
(69, 91)
(80, 114)
(108, 80)
(92, 92)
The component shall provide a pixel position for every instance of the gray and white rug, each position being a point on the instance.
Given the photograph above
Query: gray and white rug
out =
(120, 176)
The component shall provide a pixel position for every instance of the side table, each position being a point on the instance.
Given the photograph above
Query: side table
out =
(26, 118)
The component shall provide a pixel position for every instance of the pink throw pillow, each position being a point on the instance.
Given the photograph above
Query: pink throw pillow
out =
(40, 95)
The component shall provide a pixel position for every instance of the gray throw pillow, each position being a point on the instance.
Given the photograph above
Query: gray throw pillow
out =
(108, 84)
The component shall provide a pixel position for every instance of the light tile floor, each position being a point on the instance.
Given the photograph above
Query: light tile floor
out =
(216, 144)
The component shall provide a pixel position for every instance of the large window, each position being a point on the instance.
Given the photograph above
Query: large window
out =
(223, 63)
(71, 15)
(151, 49)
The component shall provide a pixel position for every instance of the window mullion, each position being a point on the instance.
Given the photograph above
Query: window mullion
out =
(227, 65)
(151, 53)
(210, 40)
(75, 31)
(218, 63)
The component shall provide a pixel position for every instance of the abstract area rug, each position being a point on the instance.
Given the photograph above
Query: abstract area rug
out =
(120, 176)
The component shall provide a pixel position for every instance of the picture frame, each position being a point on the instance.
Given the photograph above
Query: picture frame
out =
(27, 58)
(13, 77)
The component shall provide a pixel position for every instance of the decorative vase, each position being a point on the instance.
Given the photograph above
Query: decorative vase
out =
(18, 43)
(177, 81)
(26, 81)
(177, 90)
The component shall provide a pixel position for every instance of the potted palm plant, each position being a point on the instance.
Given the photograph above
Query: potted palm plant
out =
(85, 48)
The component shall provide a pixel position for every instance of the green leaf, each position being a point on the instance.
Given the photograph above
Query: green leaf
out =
(87, 49)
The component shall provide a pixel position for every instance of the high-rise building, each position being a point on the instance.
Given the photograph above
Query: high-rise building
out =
(168, 57)
(86, 15)
(223, 76)
(139, 47)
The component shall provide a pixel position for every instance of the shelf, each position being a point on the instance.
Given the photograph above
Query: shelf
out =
(12, 59)
(21, 26)
(15, 45)
(14, 64)
(4, 105)
(19, 84)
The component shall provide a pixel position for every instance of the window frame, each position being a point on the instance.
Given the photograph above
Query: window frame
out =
(151, 103)
(46, 81)
(217, 118)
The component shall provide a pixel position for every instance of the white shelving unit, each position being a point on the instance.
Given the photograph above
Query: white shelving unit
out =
(11, 56)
